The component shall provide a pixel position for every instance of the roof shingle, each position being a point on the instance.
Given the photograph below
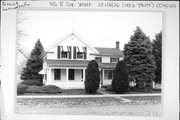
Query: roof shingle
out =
(77, 63)
(109, 52)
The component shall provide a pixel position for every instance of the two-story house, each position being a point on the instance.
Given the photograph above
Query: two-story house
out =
(65, 62)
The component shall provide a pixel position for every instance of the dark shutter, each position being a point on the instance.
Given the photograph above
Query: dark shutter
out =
(85, 52)
(111, 60)
(100, 59)
(118, 59)
(74, 53)
(69, 52)
(58, 52)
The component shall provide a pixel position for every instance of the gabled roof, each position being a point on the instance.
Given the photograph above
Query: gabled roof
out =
(109, 52)
(68, 35)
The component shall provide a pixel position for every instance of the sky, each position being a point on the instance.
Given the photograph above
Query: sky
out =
(98, 28)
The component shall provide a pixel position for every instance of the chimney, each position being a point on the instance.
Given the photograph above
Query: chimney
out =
(117, 44)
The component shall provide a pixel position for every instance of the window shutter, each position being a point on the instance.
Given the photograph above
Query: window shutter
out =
(69, 52)
(74, 53)
(85, 52)
(100, 59)
(58, 52)
(111, 60)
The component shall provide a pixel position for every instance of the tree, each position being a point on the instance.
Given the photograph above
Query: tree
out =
(157, 52)
(120, 78)
(21, 34)
(34, 64)
(139, 60)
(92, 80)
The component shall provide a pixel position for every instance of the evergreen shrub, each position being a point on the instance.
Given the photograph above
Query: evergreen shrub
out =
(21, 89)
(92, 80)
(120, 78)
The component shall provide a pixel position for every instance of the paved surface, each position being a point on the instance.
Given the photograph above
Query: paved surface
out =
(79, 96)
(136, 106)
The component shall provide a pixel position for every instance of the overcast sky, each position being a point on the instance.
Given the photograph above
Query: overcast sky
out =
(100, 29)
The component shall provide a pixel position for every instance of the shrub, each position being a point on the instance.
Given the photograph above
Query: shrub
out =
(120, 81)
(21, 89)
(50, 89)
(92, 80)
(109, 88)
(32, 83)
(46, 89)
(33, 89)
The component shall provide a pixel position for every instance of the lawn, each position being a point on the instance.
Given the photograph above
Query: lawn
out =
(138, 106)
(101, 91)
(132, 92)
(66, 92)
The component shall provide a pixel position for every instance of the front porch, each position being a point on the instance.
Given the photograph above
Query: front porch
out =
(73, 78)
(65, 77)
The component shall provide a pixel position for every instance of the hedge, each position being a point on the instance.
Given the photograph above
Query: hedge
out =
(32, 83)
(21, 89)
(46, 89)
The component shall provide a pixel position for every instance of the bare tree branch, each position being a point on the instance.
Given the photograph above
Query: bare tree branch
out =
(21, 34)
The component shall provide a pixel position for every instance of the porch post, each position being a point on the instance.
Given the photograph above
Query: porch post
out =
(84, 75)
(49, 80)
(67, 75)
(102, 75)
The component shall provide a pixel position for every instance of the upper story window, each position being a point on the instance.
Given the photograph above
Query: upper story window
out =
(80, 52)
(114, 59)
(71, 52)
(80, 55)
(98, 59)
(64, 52)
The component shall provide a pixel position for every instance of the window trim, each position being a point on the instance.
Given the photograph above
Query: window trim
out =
(100, 59)
(70, 74)
(113, 58)
(82, 55)
(57, 72)
(110, 71)
(66, 55)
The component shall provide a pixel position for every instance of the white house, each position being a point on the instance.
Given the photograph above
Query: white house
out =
(66, 60)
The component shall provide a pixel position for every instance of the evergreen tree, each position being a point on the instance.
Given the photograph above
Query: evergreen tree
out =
(157, 52)
(92, 80)
(139, 59)
(34, 64)
(120, 78)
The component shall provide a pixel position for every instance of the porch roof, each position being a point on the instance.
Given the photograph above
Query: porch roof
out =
(77, 63)
(67, 63)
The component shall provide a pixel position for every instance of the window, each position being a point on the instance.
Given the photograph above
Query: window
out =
(79, 52)
(71, 74)
(80, 55)
(114, 60)
(110, 74)
(64, 54)
(57, 74)
(98, 59)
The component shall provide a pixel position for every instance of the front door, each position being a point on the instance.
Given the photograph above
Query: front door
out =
(71, 74)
